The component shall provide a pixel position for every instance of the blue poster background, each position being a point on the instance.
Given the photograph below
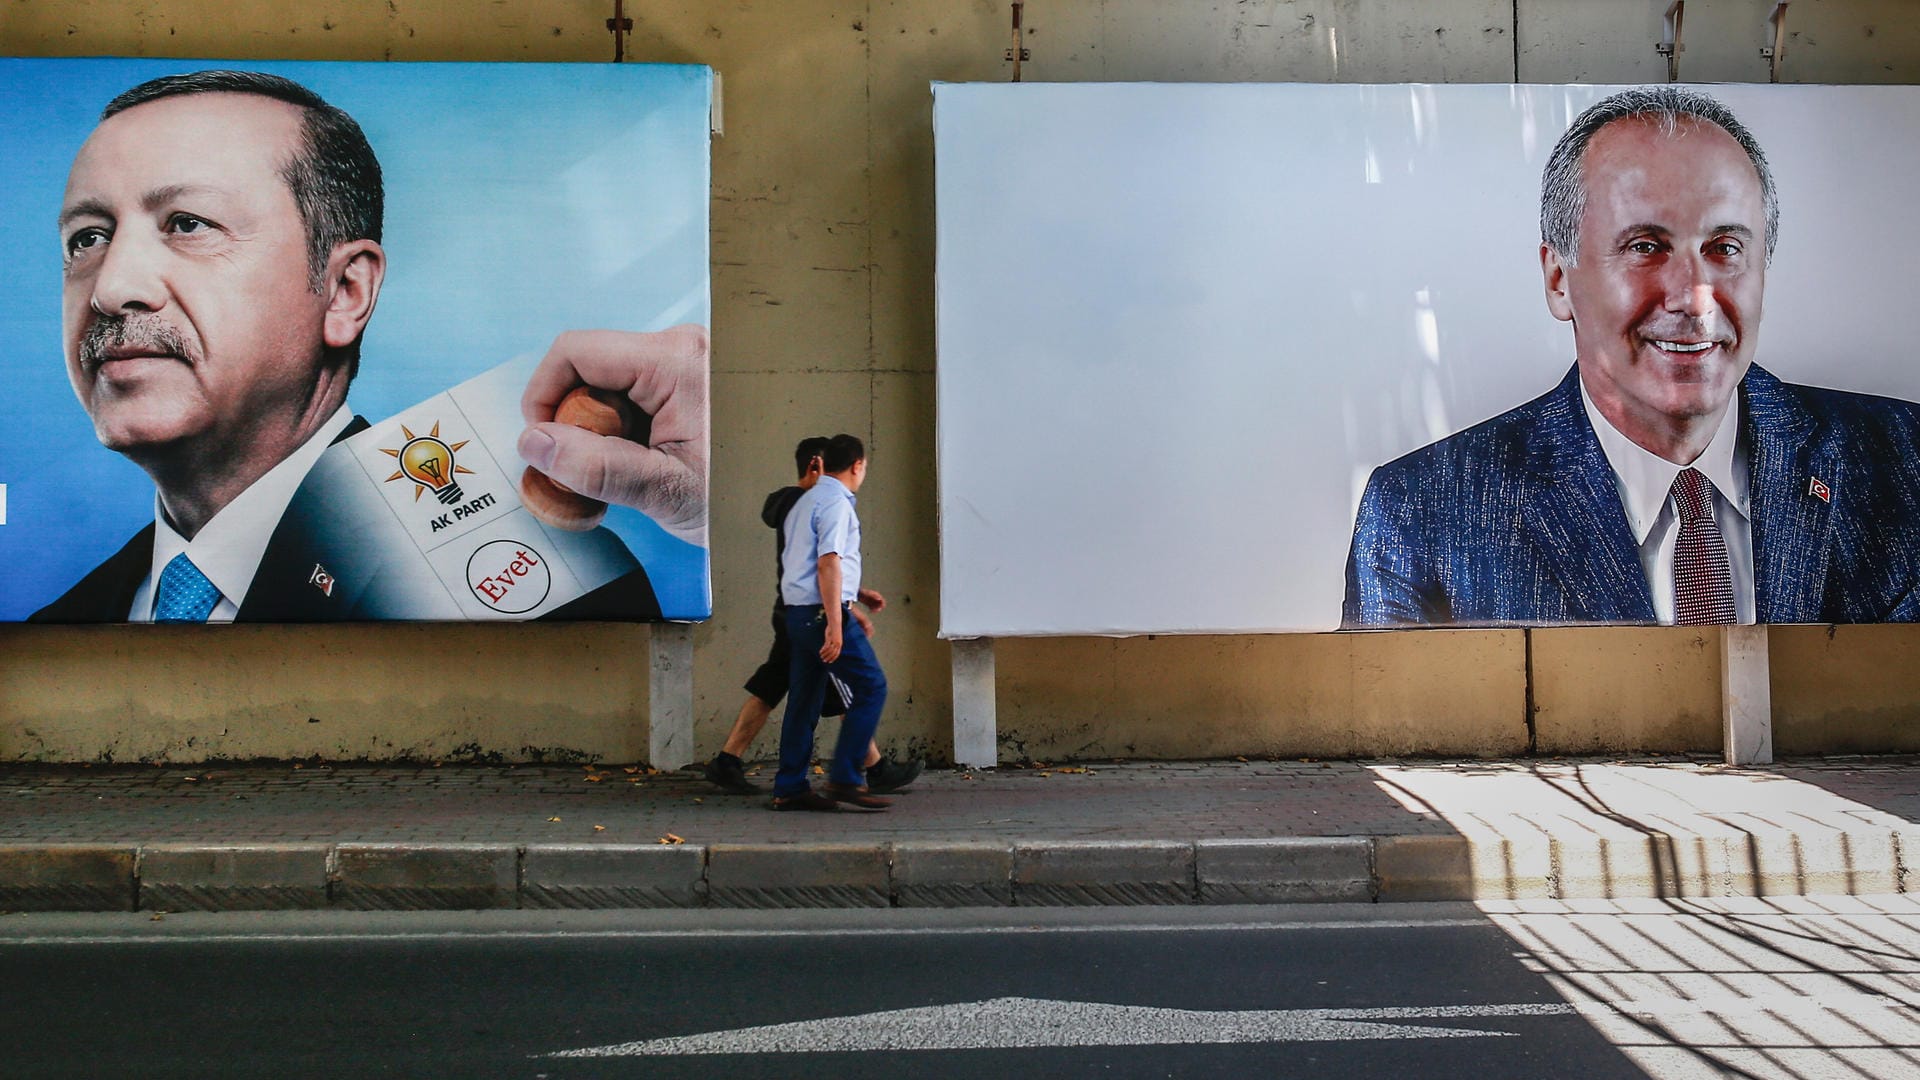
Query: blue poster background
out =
(521, 200)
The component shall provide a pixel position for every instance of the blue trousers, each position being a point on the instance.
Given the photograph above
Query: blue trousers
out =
(807, 686)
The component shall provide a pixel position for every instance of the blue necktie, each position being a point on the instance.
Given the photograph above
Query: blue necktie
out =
(185, 594)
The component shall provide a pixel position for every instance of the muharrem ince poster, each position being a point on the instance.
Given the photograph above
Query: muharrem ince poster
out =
(306, 342)
(1228, 359)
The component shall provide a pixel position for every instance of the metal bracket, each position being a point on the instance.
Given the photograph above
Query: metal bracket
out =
(620, 25)
(1776, 53)
(1017, 53)
(1669, 45)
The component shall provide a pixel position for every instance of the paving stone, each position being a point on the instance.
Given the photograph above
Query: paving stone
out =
(66, 877)
(421, 877)
(187, 877)
(1423, 868)
(613, 876)
(798, 875)
(1077, 872)
(954, 873)
(1313, 869)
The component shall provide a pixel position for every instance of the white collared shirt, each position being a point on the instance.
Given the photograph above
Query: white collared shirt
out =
(229, 548)
(823, 522)
(1645, 483)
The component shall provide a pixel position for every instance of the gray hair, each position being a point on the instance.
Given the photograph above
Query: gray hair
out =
(1563, 192)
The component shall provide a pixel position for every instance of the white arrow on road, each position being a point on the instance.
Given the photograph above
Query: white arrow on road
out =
(1015, 1022)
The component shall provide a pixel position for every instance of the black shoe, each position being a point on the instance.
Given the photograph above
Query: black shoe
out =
(889, 775)
(730, 775)
(806, 800)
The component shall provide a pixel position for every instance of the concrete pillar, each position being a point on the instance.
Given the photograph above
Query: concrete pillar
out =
(670, 696)
(976, 741)
(1746, 696)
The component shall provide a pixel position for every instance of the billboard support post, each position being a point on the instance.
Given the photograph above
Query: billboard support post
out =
(1746, 696)
(670, 696)
(976, 742)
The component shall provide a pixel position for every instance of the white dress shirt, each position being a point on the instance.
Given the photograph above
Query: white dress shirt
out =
(1645, 483)
(229, 548)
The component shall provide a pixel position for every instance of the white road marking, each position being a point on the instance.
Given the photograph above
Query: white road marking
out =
(1026, 1023)
(1023, 1023)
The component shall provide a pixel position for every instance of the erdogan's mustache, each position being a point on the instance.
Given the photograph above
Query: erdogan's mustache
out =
(110, 337)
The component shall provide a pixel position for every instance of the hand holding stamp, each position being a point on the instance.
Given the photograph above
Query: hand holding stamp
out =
(656, 463)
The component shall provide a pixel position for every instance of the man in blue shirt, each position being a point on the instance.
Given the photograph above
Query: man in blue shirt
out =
(819, 580)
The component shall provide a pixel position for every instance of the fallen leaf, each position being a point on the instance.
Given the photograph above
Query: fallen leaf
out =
(630, 769)
(599, 828)
(671, 838)
(158, 916)
(1238, 758)
(697, 798)
(635, 780)
(817, 771)
(553, 819)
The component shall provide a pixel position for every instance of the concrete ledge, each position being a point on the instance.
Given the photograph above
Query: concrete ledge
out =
(1813, 858)
(1331, 869)
(798, 875)
(185, 877)
(955, 874)
(1066, 873)
(376, 877)
(66, 877)
(613, 876)
(1423, 868)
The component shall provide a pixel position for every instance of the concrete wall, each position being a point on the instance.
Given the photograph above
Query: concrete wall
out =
(823, 321)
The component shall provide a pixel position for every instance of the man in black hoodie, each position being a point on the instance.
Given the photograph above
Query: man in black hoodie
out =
(768, 684)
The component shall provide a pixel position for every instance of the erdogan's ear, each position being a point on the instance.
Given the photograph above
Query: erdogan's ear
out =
(354, 273)
(1553, 273)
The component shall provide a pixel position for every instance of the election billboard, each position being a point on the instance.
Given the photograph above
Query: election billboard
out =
(305, 342)
(1250, 358)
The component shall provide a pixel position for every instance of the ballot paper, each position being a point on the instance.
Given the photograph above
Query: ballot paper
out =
(419, 516)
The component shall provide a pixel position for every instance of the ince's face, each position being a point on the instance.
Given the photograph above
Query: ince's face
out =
(1665, 298)
(187, 314)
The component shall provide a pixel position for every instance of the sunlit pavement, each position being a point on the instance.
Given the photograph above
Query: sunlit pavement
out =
(314, 835)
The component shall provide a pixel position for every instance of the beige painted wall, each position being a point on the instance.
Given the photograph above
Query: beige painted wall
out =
(823, 321)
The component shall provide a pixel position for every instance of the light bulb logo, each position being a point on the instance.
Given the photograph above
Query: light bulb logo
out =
(428, 462)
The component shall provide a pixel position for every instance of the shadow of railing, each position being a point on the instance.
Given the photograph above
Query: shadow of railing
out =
(1715, 953)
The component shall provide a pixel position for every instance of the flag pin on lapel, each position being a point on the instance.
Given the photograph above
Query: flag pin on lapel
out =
(1819, 490)
(323, 581)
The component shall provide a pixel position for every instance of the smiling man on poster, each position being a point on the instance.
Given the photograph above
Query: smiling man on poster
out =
(1668, 478)
(221, 257)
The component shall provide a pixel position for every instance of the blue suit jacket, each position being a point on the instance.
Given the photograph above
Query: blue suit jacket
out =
(1518, 521)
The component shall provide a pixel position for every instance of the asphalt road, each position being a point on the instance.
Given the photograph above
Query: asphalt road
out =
(1424, 990)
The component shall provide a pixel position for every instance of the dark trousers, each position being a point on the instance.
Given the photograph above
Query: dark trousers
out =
(807, 687)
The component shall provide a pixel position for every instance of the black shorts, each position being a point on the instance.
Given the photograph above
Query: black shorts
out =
(769, 681)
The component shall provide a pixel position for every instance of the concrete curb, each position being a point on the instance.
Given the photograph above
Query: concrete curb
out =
(67, 877)
(1740, 856)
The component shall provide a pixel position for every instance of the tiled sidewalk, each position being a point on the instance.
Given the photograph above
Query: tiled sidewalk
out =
(1412, 829)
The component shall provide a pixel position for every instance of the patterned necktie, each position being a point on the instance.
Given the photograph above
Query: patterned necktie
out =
(185, 594)
(1702, 578)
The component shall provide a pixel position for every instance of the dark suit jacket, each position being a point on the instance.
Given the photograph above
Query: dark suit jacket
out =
(1518, 521)
(283, 590)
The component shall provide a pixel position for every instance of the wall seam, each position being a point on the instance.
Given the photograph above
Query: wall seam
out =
(873, 360)
(1516, 40)
(1532, 707)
